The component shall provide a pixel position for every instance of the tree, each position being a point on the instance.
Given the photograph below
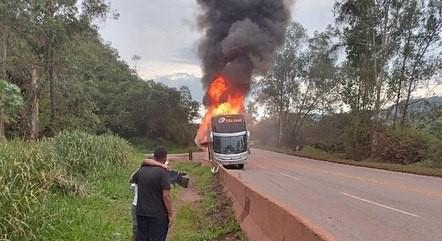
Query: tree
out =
(11, 101)
(92, 88)
(45, 26)
(279, 87)
(59, 22)
(301, 82)
(389, 44)
(191, 106)
(318, 89)
(252, 112)
(135, 59)
(369, 30)
(408, 23)
(419, 61)
(435, 127)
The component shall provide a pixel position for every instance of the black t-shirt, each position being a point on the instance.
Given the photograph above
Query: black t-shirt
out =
(151, 183)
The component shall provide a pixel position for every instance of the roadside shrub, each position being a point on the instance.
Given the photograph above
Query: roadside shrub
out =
(436, 153)
(358, 141)
(25, 169)
(32, 171)
(327, 134)
(86, 155)
(405, 146)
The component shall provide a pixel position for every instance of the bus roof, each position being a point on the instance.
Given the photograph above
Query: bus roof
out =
(228, 123)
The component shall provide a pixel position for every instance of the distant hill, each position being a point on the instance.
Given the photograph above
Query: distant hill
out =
(420, 110)
(183, 79)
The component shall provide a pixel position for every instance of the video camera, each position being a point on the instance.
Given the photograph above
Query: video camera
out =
(180, 178)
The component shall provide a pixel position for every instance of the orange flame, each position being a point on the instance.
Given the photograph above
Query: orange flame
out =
(224, 100)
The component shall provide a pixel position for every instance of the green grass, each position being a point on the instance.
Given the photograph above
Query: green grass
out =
(102, 215)
(210, 219)
(309, 152)
(75, 187)
(70, 187)
(105, 213)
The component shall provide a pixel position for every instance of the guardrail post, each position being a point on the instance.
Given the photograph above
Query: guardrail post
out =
(190, 155)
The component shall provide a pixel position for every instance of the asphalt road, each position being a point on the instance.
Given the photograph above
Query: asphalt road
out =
(350, 203)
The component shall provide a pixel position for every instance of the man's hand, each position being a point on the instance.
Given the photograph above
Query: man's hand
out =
(165, 166)
(170, 219)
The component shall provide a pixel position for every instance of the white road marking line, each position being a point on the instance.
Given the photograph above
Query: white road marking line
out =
(289, 176)
(380, 205)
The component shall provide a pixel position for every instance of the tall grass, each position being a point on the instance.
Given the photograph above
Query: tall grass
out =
(32, 171)
(25, 176)
(86, 155)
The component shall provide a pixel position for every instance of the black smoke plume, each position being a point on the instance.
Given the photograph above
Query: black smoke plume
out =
(240, 39)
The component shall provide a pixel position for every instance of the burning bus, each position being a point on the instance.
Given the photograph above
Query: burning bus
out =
(223, 130)
(228, 140)
(240, 41)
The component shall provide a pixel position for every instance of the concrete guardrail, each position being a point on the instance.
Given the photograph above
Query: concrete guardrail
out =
(264, 219)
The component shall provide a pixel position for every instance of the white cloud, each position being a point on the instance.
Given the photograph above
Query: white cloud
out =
(314, 4)
(158, 31)
(154, 69)
(314, 15)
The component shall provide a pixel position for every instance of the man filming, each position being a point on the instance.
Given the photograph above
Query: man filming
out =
(154, 205)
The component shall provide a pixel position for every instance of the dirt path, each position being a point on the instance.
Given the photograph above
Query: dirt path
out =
(186, 196)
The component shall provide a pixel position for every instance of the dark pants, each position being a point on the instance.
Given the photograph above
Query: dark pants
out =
(152, 228)
(134, 222)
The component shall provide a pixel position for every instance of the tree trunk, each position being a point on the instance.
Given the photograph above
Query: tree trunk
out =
(4, 55)
(399, 90)
(401, 79)
(298, 132)
(410, 85)
(280, 127)
(379, 81)
(396, 106)
(377, 101)
(52, 97)
(355, 140)
(407, 102)
(34, 102)
(4, 52)
(2, 126)
(50, 70)
(421, 53)
(376, 113)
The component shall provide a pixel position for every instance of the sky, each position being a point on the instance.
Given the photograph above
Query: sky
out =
(164, 34)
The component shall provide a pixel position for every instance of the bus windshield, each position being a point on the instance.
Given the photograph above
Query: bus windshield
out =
(230, 145)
